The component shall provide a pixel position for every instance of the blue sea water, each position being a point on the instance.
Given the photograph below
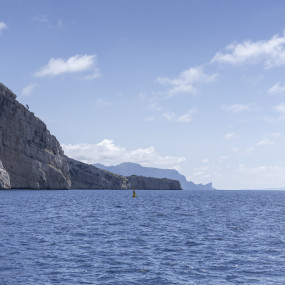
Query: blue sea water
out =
(160, 237)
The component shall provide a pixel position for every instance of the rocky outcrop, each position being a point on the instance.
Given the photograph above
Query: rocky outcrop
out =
(150, 183)
(4, 178)
(29, 153)
(85, 176)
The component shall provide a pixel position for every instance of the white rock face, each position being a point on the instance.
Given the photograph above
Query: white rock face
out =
(32, 156)
(4, 178)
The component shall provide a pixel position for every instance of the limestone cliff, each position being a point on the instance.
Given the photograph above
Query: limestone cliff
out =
(149, 183)
(85, 176)
(29, 153)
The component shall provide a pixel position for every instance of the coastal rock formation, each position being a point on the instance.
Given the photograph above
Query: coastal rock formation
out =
(32, 158)
(29, 153)
(149, 183)
(85, 176)
(4, 178)
(129, 168)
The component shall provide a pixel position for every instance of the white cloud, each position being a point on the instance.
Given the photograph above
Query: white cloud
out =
(269, 52)
(154, 106)
(249, 150)
(274, 135)
(205, 160)
(50, 23)
(277, 88)
(28, 89)
(169, 116)
(274, 119)
(251, 176)
(229, 136)
(149, 119)
(280, 108)
(235, 149)
(185, 81)
(201, 172)
(223, 158)
(3, 27)
(77, 63)
(96, 74)
(266, 141)
(237, 108)
(41, 18)
(184, 118)
(101, 103)
(107, 153)
(152, 101)
(260, 176)
(60, 24)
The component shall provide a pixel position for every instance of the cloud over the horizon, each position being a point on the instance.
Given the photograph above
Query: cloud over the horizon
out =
(185, 81)
(108, 153)
(74, 64)
(270, 52)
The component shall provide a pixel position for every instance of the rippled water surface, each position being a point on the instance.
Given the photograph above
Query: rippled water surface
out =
(160, 237)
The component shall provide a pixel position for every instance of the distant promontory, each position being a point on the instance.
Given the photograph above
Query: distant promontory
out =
(129, 168)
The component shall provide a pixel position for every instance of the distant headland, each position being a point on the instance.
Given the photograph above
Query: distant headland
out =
(129, 168)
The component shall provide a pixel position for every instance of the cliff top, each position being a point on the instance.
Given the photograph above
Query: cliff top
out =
(7, 92)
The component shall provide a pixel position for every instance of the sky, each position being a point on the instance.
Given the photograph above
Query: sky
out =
(197, 86)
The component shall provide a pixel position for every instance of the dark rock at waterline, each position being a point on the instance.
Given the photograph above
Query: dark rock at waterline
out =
(148, 183)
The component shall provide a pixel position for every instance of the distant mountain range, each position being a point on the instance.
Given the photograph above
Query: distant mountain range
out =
(129, 168)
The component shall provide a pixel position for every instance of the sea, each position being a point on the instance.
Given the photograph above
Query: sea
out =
(159, 237)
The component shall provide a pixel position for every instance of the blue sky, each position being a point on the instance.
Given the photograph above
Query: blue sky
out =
(194, 85)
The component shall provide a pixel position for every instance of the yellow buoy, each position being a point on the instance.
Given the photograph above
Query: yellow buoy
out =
(134, 193)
